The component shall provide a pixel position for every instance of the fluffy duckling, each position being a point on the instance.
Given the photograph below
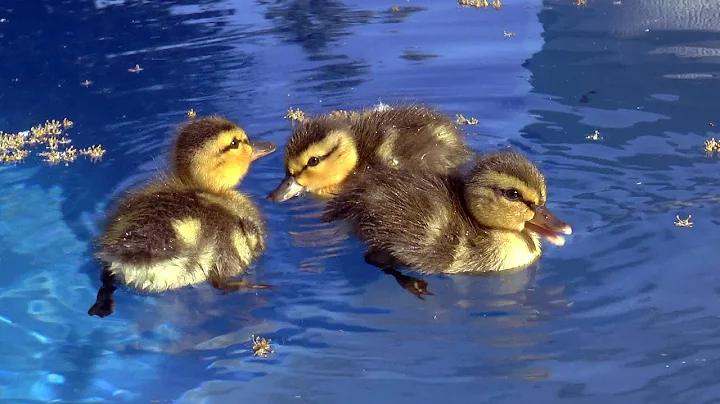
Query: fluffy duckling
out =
(190, 228)
(324, 151)
(492, 219)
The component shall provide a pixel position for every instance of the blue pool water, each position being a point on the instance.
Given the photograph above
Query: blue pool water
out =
(625, 312)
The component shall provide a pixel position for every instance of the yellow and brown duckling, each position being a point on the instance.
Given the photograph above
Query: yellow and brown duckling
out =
(491, 219)
(189, 227)
(324, 151)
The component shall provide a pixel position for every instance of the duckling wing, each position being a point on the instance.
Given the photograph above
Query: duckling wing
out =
(416, 217)
(144, 227)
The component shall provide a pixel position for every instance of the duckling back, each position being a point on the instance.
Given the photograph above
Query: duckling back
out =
(166, 237)
(410, 137)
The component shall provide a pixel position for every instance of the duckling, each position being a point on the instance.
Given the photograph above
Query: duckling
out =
(491, 219)
(324, 151)
(188, 227)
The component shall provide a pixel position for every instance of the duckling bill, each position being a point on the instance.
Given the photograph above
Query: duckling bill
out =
(325, 151)
(492, 219)
(189, 227)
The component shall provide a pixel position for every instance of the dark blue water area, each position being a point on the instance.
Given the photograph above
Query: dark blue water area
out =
(626, 311)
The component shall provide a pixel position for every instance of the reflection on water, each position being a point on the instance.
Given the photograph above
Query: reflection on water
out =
(325, 239)
(314, 24)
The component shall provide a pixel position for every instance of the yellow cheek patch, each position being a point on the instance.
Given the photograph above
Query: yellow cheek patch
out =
(233, 167)
(331, 172)
(223, 169)
(242, 156)
(327, 192)
(312, 179)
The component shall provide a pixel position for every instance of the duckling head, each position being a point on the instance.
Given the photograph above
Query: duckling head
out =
(506, 191)
(215, 153)
(320, 155)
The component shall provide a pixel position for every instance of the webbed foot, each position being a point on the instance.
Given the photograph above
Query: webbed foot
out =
(102, 307)
(417, 287)
(104, 302)
(386, 262)
(233, 286)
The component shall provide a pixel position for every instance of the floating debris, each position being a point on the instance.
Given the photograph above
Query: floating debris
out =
(594, 136)
(683, 222)
(710, 124)
(136, 69)
(395, 8)
(507, 34)
(86, 83)
(14, 147)
(13, 155)
(461, 120)
(95, 152)
(474, 3)
(296, 115)
(54, 156)
(711, 146)
(496, 4)
(191, 114)
(581, 3)
(261, 346)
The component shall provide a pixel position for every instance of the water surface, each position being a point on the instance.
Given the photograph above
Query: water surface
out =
(623, 312)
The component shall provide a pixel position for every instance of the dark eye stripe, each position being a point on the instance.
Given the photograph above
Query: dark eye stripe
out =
(230, 147)
(522, 199)
(320, 157)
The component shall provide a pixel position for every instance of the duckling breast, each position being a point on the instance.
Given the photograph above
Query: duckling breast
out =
(163, 275)
(514, 250)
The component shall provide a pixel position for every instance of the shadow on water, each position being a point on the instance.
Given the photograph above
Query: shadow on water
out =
(76, 361)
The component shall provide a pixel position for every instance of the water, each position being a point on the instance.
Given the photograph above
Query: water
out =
(624, 312)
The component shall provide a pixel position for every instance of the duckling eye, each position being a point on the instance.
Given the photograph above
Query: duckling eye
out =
(512, 194)
(235, 143)
(313, 161)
